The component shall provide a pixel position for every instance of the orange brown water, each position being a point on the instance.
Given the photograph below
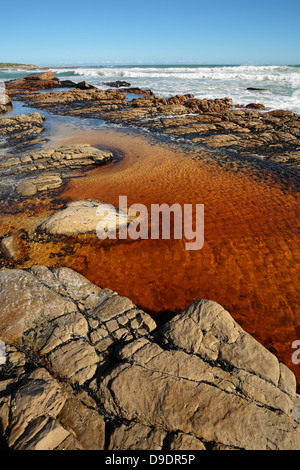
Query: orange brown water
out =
(250, 259)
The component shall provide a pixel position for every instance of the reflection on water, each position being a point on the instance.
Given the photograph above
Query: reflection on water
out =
(250, 259)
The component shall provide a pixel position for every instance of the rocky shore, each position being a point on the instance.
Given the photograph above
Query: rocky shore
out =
(215, 123)
(27, 168)
(84, 368)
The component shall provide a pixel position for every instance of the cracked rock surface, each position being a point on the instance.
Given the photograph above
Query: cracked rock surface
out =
(85, 368)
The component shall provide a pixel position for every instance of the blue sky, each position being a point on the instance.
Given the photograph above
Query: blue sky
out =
(130, 32)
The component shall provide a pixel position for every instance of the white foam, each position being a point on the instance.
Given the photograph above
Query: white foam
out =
(281, 83)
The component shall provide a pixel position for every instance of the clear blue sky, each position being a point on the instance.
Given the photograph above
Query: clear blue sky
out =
(157, 31)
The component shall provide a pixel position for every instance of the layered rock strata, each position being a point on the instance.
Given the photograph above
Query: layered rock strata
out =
(215, 123)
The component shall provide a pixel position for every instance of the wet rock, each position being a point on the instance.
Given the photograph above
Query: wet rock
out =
(136, 91)
(31, 186)
(136, 436)
(259, 133)
(182, 441)
(32, 82)
(209, 106)
(84, 86)
(43, 393)
(117, 84)
(10, 247)
(90, 94)
(5, 103)
(282, 113)
(255, 106)
(256, 89)
(25, 302)
(21, 131)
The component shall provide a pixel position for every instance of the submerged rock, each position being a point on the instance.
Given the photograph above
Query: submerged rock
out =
(10, 246)
(199, 382)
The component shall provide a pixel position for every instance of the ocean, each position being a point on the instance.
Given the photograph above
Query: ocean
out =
(277, 87)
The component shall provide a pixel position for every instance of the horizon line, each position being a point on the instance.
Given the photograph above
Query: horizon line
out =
(130, 64)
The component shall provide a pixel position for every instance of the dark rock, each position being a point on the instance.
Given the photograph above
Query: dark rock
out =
(68, 84)
(84, 86)
(117, 84)
(256, 89)
(5, 103)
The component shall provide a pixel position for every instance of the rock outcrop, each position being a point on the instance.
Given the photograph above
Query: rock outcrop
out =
(22, 131)
(55, 159)
(5, 103)
(99, 374)
(215, 123)
(41, 76)
(31, 186)
(117, 84)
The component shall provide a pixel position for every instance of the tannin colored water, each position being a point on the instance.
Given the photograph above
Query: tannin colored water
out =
(250, 259)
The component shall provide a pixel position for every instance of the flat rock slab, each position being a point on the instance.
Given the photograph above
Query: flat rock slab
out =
(31, 186)
(55, 159)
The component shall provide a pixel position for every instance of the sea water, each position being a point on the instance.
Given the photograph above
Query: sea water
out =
(277, 87)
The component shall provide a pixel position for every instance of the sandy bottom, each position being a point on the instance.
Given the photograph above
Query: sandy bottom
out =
(250, 259)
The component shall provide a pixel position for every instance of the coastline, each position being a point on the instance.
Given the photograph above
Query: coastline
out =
(120, 112)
